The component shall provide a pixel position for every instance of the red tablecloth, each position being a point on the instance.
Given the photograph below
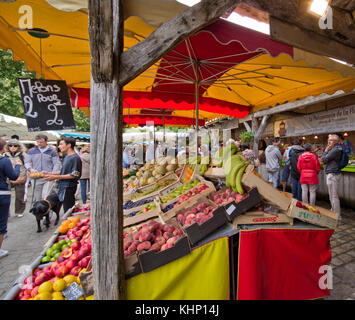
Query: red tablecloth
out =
(278, 264)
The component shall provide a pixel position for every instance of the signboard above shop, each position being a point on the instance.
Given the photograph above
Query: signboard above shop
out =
(335, 120)
(46, 104)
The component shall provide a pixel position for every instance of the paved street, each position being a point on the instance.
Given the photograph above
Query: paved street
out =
(24, 245)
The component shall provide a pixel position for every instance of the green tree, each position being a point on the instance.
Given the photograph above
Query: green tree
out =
(10, 71)
(82, 121)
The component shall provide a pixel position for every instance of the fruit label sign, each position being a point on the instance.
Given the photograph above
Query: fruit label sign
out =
(231, 209)
(73, 292)
(46, 104)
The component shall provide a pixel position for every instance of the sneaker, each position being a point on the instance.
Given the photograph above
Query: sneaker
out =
(3, 253)
(19, 215)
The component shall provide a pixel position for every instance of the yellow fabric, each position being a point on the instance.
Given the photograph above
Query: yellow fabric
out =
(68, 58)
(201, 275)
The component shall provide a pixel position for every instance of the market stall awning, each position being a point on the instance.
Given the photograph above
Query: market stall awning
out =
(76, 135)
(241, 69)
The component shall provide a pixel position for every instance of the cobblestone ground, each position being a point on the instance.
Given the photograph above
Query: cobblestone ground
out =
(25, 245)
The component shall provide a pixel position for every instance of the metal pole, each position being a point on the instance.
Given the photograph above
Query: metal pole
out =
(197, 86)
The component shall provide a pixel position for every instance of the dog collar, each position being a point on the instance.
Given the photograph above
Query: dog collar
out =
(49, 204)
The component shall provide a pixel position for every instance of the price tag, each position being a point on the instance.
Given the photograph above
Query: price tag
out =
(134, 190)
(73, 292)
(231, 209)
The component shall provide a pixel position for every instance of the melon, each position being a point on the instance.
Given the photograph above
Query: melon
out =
(161, 170)
(171, 167)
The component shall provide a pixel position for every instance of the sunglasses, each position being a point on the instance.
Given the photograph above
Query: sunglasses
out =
(13, 145)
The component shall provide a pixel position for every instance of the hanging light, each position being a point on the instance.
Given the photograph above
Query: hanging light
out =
(345, 134)
(304, 138)
(319, 7)
(316, 137)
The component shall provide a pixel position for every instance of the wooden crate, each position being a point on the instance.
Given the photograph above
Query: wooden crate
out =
(142, 217)
(325, 218)
(251, 179)
(171, 213)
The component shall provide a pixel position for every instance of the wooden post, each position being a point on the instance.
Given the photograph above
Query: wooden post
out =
(106, 152)
(258, 131)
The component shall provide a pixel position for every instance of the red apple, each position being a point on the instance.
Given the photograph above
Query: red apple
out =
(42, 277)
(74, 256)
(75, 271)
(34, 291)
(36, 272)
(79, 233)
(61, 271)
(70, 264)
(25, 297)
(84, 262)
(84, 228)
(75, 245)
(67, 252)
(60, 259)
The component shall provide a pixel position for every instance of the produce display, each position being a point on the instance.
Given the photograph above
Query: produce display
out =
(228, 196)
(56, 249)
(150, 173)
(130, 204)
(189, 173)
(68, 224)
(49, 282)
(156, 187)
(82, 208)
(188, 195)
(200, 214)
(179, 191)
(152, 236)
(301, 205)
(146, 208)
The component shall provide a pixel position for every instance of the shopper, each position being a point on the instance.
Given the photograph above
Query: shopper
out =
(346, 145)
(249, 155)
(85, 174)
(6, 172)
(332, 158)
(42, 158)
(308, 167)
(69, 175)
(273, 159)
(294, 154)
(15, 152)
(287, 167)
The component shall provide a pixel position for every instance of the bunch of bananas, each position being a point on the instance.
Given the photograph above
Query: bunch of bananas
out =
(234, 166)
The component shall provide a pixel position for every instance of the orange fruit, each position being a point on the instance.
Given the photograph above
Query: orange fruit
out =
(71, 225)
(63, 229)
(66, 222)
(75, 220)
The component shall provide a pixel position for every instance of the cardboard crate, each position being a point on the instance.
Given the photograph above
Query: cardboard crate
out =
(142, 217)
(151, 260)
(215, 173)
(132, 266)
(326, 218)
(251, 179)
(196, 232)
(172, 212)
(260, 217)
(234, 209)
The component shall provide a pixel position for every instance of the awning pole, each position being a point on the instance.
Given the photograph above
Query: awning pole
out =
(197, 86)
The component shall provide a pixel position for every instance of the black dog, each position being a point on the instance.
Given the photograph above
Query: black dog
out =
(41, 209)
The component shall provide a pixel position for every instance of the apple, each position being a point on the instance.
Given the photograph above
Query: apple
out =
(74, 257)
(71, 236)
(61, 271)
(75, 271)
(36, 272)
(42, 277)
(34, 291)
(60, 259)
(79, 233)
(84, 262)
(75, 246)
(67, 252)
(25, 297)
(84, 228)
(70, 264)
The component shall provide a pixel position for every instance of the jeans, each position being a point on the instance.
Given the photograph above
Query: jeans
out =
(84, 189)
(285, 173)
(312, 193)
(274, 178)
(5, 201)
(296, 189)
(69, 198)
(333, 185)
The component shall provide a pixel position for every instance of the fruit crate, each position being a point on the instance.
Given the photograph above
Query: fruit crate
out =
(132, 266)
(151, 260)
(197, 232)
(184, 171)
(260, 217)
(141, 206)
(172, 212)
(251, 179)
(170, 176)
(143, 216)
(324, 218)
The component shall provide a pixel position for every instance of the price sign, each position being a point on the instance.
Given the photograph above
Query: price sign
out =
(134, 190)
(73, 292)
(46, 104)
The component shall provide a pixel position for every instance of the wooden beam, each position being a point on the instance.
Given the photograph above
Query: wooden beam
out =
(144, 54)
(100, 31)
(106, 166)
(293, 12)
(308, 40)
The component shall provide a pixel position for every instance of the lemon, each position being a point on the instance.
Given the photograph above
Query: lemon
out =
(59, 285)
(57, 296)
(81, 298)
(45, 287)
(45, 296)
(90, 297)
(37, 297)
(69, 279)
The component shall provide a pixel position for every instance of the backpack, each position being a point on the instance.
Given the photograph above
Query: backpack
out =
(293, 156)
(344, 161)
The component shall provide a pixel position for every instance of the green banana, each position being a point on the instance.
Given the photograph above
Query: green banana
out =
(238, 181)
(234, 172)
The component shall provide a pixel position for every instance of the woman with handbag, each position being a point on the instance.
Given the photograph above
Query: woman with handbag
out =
(14, 151)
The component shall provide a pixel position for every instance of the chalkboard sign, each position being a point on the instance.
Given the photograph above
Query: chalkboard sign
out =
(73, 292)
(46, 104)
